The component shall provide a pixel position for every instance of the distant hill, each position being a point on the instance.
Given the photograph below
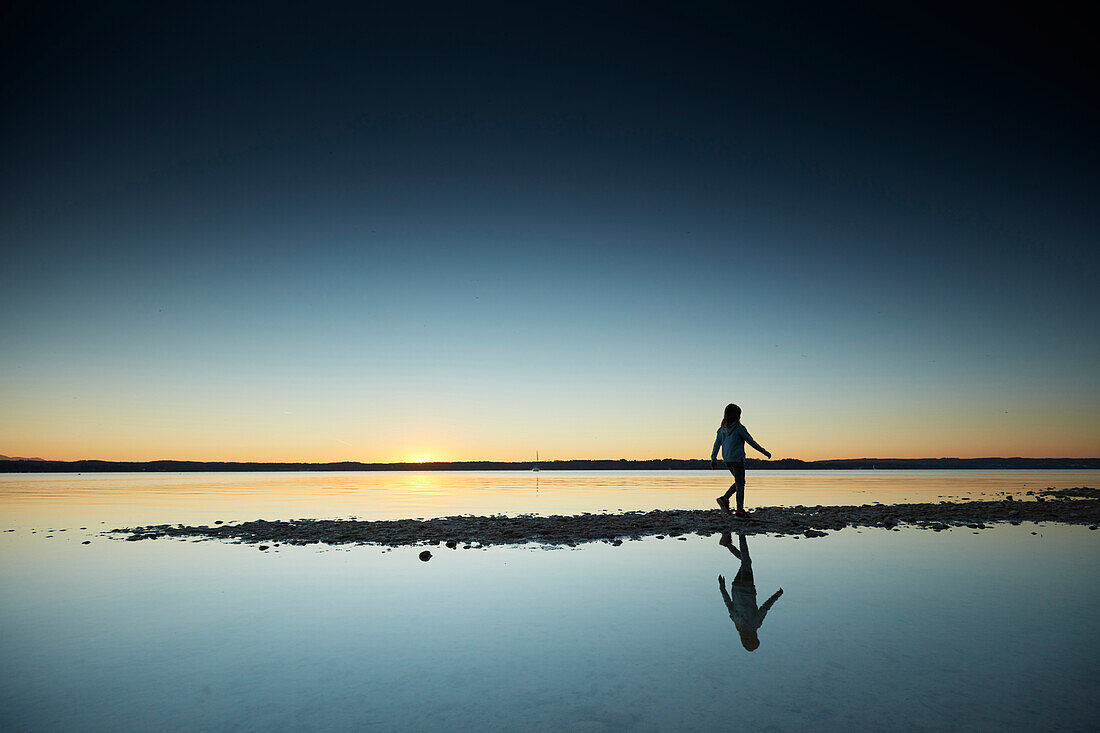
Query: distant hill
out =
(37, 465)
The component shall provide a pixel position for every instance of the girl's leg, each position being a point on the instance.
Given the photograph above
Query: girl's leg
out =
(739, 486)
(744, 574)
(729, 492)
(727, 542)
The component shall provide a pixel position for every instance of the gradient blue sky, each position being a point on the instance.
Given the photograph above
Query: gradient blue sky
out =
(354, 233)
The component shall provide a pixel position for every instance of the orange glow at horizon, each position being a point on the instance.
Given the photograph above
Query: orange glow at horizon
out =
(803, 442)
(465, 429)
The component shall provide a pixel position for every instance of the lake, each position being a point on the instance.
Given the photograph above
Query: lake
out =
(890, 630)
(142, 498)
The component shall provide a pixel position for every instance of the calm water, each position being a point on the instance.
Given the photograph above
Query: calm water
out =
(49, 500)
(887, 630)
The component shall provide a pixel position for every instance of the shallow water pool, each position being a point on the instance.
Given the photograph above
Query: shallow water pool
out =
(896, 630)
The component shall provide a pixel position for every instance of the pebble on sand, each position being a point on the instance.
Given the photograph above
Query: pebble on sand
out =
(425, 556)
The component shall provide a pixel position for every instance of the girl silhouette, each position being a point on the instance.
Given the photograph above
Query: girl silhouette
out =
(732, 436)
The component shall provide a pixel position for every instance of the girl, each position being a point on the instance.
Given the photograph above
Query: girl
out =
(732, 436)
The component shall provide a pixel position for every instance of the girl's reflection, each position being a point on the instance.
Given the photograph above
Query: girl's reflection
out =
(741, 598)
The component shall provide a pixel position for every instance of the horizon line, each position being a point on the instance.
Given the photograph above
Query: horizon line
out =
(18, 459)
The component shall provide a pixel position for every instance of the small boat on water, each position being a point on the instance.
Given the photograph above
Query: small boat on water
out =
(536, 466)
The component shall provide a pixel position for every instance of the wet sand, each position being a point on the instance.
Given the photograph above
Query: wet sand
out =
(1070, 506)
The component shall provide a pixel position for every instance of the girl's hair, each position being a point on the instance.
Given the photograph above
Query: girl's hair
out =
(731, 416)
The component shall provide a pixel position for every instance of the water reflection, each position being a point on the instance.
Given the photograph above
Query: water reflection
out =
(128, 499)
(215, 636)
(741, 598)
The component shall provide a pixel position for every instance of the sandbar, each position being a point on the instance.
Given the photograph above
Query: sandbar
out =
(1070, 506)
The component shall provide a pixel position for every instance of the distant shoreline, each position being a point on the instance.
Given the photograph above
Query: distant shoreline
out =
(660, 464)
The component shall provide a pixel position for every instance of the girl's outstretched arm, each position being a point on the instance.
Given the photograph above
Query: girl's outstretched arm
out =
(725, 595)
(769, 603)
(753, 443)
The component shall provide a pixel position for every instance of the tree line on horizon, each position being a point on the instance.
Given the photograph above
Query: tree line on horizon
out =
(36, 465)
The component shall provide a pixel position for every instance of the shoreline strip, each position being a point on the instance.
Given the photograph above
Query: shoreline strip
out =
(1068, 506)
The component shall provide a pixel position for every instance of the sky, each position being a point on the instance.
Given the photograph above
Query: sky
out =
(322, 232)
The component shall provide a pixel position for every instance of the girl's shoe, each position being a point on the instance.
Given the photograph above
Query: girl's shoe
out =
(723, 502)
(741, 514)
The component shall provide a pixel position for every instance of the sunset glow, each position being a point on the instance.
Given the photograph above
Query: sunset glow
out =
(490, 255)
